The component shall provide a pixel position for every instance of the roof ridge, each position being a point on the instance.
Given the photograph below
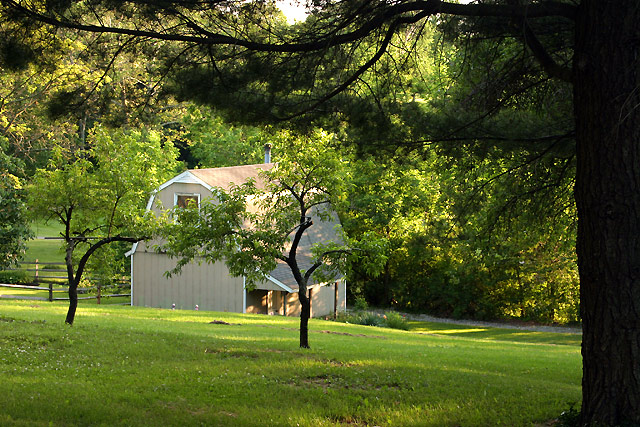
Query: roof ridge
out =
(232, 167)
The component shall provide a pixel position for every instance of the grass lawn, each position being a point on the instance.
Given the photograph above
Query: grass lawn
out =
(45, 250)
(135, 366)
(46, 229)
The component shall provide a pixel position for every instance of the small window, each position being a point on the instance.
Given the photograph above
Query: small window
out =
(187, 200)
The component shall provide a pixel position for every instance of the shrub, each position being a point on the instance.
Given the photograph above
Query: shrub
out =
(360, 303)
(395, 321)
(391, 319)
(15, 277)
(370, 319)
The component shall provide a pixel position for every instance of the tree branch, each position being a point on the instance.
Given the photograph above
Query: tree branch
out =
(319, 263)
(424, 8)
(539, 52)
(83, 261)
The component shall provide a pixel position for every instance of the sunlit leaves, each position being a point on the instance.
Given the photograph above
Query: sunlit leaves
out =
(14, 224)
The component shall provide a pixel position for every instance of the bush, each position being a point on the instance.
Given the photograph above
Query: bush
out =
(360, 304)
(370, 319)
(15, 277)
(391, 319)
(395, 321)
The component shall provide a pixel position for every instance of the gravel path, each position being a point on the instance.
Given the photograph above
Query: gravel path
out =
(537, 328)
(503, 325)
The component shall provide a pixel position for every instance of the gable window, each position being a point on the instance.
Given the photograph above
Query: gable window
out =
(183, 200)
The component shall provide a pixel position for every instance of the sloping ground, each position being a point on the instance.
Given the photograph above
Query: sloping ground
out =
(133, 366)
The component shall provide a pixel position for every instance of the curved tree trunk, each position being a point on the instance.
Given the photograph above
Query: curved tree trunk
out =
(305, 313)
(73, 303)
(73, 284)
(607, 111)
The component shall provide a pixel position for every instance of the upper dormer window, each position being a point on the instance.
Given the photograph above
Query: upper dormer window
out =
(183, 200)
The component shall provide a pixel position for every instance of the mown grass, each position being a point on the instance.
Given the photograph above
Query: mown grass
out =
(136, 366)
(45, 250)
(43, 228)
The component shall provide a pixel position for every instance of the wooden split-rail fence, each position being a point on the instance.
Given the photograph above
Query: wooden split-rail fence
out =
(52, 277)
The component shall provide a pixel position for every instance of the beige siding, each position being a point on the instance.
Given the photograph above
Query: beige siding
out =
(165, 199)
(342, 296)
(207, 285)
(322, 300)
(293, 304)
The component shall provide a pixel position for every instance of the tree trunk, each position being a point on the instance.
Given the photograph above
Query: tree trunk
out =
(73, 303)
(305, 313)
(607, 100)
(73, 284)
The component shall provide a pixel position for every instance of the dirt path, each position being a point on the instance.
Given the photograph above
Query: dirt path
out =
(526, 327)
(503, 325)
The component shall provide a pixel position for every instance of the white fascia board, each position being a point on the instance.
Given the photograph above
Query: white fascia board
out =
(185, 177)
(132, 250)
(151, 200)
(279, 283)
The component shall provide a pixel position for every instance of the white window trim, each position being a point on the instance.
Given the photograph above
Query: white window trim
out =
(176, 195)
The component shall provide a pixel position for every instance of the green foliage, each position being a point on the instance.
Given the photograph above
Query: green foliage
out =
(454, 248)
(360, 304)
(395, 320)
(103, 190)
(368, 319)
(14, 222)
(214, 143)
(15, 277)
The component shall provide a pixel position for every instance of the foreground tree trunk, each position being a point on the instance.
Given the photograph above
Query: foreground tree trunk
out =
(73, 284)
(305, 313)
(73, 303)
(607, 111)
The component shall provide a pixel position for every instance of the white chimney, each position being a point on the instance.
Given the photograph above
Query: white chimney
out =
(267, 153)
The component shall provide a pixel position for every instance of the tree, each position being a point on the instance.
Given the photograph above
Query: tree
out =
(254, 226)
(14, 222)
(99, 195)
(587, 43)
(214, 143)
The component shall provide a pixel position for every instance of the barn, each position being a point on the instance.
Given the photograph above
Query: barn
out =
(210, 286)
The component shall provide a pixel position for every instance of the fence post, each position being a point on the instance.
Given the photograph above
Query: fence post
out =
(98, 297)
(35, 280)
(50, 292)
